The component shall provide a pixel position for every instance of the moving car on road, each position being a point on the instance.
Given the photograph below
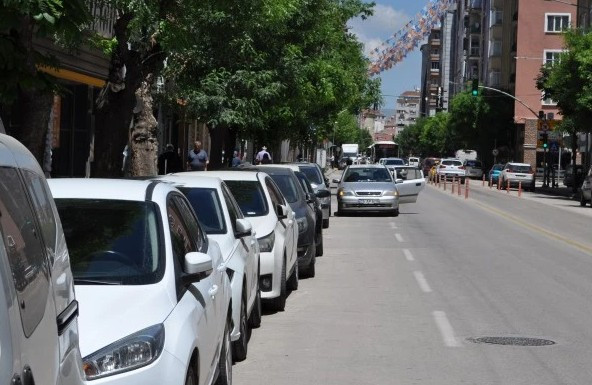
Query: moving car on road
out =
(155, 296)
(223, 221)
(263, 204)
(38, 311)
(451, 169)
(515, 173)
(367, 188)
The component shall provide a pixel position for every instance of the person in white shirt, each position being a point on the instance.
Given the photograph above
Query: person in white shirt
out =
(263, 156)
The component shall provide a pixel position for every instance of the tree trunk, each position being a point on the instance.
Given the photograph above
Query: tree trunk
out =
(34, 108)
(143, 136)
(574, 155)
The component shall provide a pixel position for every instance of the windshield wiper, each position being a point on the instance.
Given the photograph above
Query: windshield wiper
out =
(84, 281)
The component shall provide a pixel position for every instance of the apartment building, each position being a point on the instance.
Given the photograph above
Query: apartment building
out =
(407, 108)
(431, 78)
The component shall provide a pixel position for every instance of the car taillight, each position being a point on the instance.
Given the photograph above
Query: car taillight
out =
(461, 168)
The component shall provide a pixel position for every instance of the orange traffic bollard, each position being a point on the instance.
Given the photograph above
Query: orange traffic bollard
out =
(459, 187)
(499, 183)
(483, 179)
(519, 189)
(491, 182)
(452, 186)
(445, 182)
(467, 189)
(508, 187)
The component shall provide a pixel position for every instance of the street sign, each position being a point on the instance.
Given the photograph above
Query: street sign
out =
(552, 137)
(554, 146)
(495, 152)
(547, 125)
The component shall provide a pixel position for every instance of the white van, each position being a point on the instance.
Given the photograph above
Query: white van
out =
(38, 312)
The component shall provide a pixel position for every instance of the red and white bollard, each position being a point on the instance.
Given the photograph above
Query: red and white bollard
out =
(519, 189)
(452, 186)
(459, 187)
(483, 179)
(445, 182)
(508, 187)
(499, 183)
(491, 182)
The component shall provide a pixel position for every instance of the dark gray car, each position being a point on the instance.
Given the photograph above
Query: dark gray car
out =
(319, 183)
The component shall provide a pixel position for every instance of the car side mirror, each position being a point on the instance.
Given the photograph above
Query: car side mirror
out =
(197, 266)
(243, 228)
(336, 181)
(310, 198)
(281, 211)
(323, 194)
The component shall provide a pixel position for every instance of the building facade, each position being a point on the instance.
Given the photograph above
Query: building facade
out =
(407, 108)
(431, 77)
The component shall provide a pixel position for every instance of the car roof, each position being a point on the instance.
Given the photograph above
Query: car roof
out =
(96, 188)
(519, 164)
(366, 166)
(239, 174)
(275, 169)
(450, 159)
(201, 180)
(14, 154)
(290, 166)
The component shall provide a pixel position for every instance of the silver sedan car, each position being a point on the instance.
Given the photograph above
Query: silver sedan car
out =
(367, 188)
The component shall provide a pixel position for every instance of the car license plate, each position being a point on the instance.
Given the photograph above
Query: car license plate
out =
(368, 201)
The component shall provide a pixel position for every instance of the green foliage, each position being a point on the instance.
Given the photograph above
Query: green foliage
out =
(23, 20)
(569, 81)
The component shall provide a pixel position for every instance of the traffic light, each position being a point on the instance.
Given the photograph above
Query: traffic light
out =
(545, 140)
(475, 87)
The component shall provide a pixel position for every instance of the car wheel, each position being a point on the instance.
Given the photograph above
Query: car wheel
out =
(191, 378)
(293, 280)
(311, 270)
(279, 303)
(240, 346)
(326, 223)
(255, 317)
(395, 212)
(225, 362)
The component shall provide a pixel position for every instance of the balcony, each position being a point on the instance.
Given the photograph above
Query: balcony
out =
(103, 17)
(475, 52)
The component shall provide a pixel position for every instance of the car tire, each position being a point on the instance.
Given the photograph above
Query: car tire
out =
(395, 213)
(326, 223)
(240, 346)
(293, 280)
(255, 317)
(279, 303)
(319, 247)
(191, 377)
(225, 361)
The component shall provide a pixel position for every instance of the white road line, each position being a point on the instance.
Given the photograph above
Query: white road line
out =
(408, 255)
(399, 237)
(393, 225)
(446, 330)
(422, 282)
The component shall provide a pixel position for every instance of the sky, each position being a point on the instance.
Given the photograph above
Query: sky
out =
(390, 16)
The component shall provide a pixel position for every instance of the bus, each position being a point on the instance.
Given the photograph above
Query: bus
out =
(383, 149)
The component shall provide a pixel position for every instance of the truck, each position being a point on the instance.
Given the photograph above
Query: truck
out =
(349, 150)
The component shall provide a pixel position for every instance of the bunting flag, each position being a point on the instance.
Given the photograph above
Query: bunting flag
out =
(395, 48)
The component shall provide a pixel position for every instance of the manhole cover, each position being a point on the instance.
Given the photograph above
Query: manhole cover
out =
(514, 341)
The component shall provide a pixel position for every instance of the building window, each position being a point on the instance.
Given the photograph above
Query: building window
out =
(552, 56)
(557, 22)
(435, 65)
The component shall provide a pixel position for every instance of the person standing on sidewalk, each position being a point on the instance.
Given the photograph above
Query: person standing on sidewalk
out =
(197, 159)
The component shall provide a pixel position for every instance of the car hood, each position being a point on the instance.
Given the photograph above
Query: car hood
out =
(109, 313)
(263, 225)
(371, 186)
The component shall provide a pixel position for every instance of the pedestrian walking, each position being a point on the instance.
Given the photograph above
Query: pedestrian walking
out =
(197, 159)
(169, 161)
(236, 160)
(263, 156)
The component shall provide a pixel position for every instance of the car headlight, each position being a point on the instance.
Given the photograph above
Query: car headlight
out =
(391, 193)
(129, 353)
(266, 243)
(342, 192)
(302, 224)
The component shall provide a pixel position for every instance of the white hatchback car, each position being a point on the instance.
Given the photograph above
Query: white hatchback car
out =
(155, 300)
(265, 207)
(38, 311)
(223, 221)
(451, 169)
(516, 174)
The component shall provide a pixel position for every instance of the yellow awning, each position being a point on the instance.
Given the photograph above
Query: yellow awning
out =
(73, 76)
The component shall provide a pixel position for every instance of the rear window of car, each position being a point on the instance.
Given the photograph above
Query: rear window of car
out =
(313, 174)
(519, 168)
(206, 204)
(452, 163)
(498, 167)
(250, 197)
(473, 163)
(391, 162)
(112, 241)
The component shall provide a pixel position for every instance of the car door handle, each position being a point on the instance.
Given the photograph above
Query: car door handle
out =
(213, 291)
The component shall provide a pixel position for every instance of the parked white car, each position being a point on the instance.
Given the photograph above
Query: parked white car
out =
(265, 207)
(223, 221)
(155, 297)
(451, 169)
(38, 310)
(517, 173)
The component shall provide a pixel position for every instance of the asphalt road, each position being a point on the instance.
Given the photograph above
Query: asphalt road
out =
(401, 300)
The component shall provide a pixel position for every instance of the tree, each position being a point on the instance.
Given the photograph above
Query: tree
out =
(21, 79)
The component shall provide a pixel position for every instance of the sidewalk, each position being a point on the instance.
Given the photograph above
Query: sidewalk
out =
(560, 191)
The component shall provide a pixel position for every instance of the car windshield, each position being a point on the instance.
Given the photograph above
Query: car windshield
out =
(287, 186)
(498, 167)
(519, 168)
(313, 174)
(408, 173)
(250, 197)
(112, 241)
(373, 174)
(391, 162)
(206, 203)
